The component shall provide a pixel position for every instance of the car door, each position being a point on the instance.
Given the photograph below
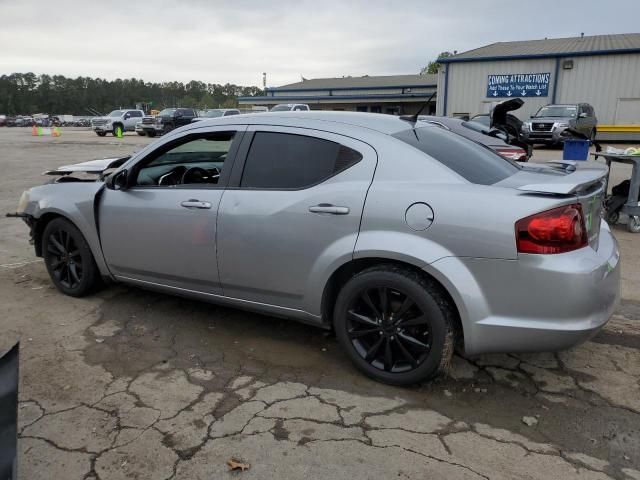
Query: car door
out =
(130, 120)
(292, 208)
(162, 228)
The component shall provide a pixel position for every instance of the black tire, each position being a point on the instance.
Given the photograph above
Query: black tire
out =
(68, 258)
(151, 134)
(634, 224)
(613, 217)
(115, 127)
(142, 134)
(166, 129)
(101, 134)
(416, 346)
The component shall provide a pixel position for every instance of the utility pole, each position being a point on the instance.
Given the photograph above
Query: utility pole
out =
(264, 82)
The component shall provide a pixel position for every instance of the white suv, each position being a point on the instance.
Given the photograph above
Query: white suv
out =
(125, 119)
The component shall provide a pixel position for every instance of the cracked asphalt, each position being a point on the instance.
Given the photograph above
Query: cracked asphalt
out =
(131, 384)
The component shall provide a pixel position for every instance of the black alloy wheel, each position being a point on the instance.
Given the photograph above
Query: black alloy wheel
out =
(66, 261)
(68, 258)
(388, 330)
(396, 324)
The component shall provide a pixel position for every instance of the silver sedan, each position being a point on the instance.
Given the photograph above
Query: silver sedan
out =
(406, 239)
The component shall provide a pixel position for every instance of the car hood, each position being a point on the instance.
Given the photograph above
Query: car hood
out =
(92, 166)
(551, 119)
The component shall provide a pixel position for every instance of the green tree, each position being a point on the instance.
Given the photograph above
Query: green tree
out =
(27, 93)
(433, 66)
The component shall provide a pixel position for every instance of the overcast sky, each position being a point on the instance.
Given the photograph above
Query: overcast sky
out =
(236, 40)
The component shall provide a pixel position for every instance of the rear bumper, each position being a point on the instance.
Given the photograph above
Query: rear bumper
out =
(537, 302)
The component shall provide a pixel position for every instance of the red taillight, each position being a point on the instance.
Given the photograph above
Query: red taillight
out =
(554, 231)
(517, 154)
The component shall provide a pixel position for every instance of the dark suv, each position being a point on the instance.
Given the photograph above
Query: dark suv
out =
(167, 120)
(547, 125)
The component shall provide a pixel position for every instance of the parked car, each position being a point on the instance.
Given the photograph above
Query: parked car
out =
(547, 125)
(217, 112)
(500, 119)
(167, 120)
(291, 107)
(124, 119)
(403, 237)
(3, 120)
(477, 132)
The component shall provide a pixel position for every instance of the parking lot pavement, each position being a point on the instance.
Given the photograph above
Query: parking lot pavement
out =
(133, 384)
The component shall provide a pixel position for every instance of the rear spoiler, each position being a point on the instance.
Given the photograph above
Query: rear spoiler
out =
(577, 176)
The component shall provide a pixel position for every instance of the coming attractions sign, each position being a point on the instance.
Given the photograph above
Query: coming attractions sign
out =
(518, 85)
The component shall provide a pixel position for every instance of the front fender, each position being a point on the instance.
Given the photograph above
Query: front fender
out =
(76, 203)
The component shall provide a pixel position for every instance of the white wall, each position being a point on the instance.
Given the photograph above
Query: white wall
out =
(608, 82)
(611, 83)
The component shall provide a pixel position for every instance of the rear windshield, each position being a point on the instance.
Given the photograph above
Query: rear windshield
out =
(471, 160)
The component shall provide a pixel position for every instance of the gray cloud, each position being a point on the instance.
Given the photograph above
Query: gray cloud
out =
(235, 41)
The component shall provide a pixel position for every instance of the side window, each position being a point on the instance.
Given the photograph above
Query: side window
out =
(288, 161)
(199, 159)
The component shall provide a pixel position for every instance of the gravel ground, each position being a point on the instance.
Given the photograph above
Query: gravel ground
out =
(133, 384)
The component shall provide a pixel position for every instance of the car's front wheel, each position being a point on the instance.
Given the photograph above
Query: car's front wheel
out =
(395, 325)
(68, 258)
(142, 134)
(101, 134)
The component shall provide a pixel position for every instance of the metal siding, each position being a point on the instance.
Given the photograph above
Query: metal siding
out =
(468, 85)
(601, 81)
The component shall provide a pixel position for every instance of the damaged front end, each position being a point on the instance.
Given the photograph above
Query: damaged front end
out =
(75, 201)
(86, 171)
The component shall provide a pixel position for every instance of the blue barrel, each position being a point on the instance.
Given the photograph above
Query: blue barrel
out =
(575, 149)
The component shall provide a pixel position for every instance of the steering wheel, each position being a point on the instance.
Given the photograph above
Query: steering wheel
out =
(199, 175)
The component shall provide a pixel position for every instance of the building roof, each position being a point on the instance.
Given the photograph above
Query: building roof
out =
(349, 83)
(552, 47)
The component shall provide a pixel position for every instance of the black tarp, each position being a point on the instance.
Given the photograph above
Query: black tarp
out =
(9, 413)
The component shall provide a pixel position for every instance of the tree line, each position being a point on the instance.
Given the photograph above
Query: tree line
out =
(28, 93)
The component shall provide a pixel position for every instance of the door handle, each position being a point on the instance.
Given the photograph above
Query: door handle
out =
(195, 204)
(328, 208)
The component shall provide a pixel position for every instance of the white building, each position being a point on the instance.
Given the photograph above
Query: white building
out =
(602, 70)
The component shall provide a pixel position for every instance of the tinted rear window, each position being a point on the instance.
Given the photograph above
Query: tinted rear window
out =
(288, 161)
(475, 162)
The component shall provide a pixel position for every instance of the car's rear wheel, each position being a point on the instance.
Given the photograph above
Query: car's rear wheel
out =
(395, 325)
(151, 133)
(68, 258)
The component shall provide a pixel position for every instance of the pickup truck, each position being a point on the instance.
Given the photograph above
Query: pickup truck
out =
(125, 119)
(165, 121)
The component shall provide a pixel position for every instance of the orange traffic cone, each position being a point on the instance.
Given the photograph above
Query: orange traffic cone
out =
(55, 131)
(34, 131)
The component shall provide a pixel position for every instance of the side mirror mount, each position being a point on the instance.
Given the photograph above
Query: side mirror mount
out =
(117, 180)
(127, 116)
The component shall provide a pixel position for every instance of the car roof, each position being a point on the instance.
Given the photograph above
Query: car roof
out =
(388, 124)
